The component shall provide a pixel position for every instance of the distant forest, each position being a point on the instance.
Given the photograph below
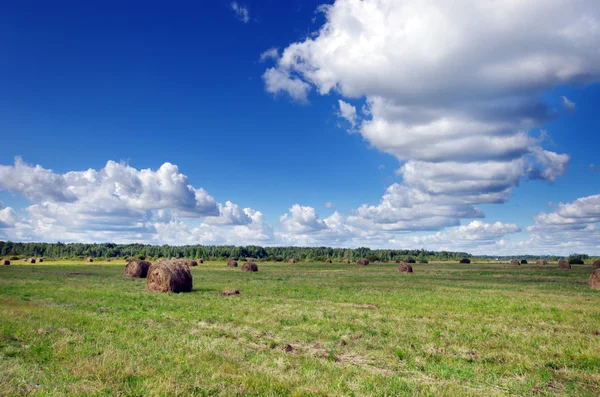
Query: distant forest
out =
(110, 250)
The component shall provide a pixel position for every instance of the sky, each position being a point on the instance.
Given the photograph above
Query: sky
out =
(470, 126)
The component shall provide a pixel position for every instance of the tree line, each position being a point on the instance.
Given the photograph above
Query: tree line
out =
(111, 250)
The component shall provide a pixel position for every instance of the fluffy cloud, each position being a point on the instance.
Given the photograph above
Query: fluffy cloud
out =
(241, 12)
(447, 92)
(347, 112)
(271, 53)
(117, 203)
(568, 105)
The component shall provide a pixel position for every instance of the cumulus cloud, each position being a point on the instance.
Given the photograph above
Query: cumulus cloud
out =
(568, 105)
(329, 205)
(116, 203)
(301, 219)
(447, 92)
(271, 53)
(347, 112)
(241, 11)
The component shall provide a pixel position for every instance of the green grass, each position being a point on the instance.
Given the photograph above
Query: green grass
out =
(446, 330)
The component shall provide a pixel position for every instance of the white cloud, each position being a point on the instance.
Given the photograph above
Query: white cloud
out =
(568, 105)
(301, 219)
(347, 112)
(277, 81)
(241, 11)
(447, 92)
(329, 205)
(271, 53)
(116, 203)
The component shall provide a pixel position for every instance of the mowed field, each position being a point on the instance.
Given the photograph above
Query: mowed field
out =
(304, 330)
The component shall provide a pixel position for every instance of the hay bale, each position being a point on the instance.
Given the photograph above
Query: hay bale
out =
(31, 260)
(515, 262)
(346, 261)
(5, 262)
(232, 263)
(292, 261)
(136, 268)
(249, 267)
(200, 260)
(107, 260)
(40, 260)
(564, 265)
(169, 276)
(89, 260)
(192, 263)
(596, 264)
(523, 262)
(405, 268)
(328, 261)
(362, 262)
(229, 292)
(595, 280)
(541, 263)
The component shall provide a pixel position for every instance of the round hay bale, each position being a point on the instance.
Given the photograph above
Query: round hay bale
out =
(200, 260)
(193, 263)
(232, 263)
(405, 268)
(515, 262)
(5, 262)
(31, 260)
(107, 260)
(169, 276)
(89, 260)
(362, 262)
(465, 260)
(249, 267)
(523, 261)
(40, 260)
(346, 261)
(230, 292)
(541, 263)
(137, 268)
(564, 265)
(596, 264)
(595, 280)
(328, 261)
(292, 261)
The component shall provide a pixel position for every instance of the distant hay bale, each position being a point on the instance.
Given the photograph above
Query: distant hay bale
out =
(292, 261)
(232, 263)
(346, 261)
(229, 292)
(595, 280)
(107, 260)
(249, 267)
(31, 260)
(328, 261)
(200, 260)
(564, 265)
(193, 263)
(405, 268)
(465, 260)
(137, 268)
(89, 260)
(362, 262)
(515, 262)
(40, 260)
(169, 276)
(596, 264)
(5, 262)
(399, 261)
(541, 263)
(523, 262)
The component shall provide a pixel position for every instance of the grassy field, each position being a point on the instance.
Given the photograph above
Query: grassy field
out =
(446, 330)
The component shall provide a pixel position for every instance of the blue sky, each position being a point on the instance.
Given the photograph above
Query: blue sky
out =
(447, 145)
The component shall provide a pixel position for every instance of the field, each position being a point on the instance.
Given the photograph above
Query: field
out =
(303, 330)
